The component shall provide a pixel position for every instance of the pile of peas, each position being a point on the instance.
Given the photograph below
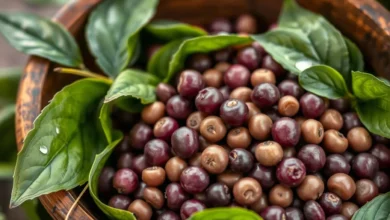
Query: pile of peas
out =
(238, 130)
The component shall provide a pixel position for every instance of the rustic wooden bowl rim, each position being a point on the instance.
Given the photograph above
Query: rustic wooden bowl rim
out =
(29, 102)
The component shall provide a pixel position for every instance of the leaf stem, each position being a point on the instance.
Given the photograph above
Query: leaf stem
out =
(75, 202)
(82, 73)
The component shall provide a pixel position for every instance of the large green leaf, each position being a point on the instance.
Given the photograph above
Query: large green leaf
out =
(225, 214)
(366, 86)
(373, 106)
(112, 32)
(133, 83)
(355, 56)
(7, 134)
(378, 208)
(35, 35)
(59, 151)
(204, 44)
(9, 81)
(323, 81)
(375, 115)
(327, 41)
(159, 63)
(291, 48)
(96, 169)
(172, 30)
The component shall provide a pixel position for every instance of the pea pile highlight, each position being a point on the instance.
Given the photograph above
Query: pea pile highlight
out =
(238, 130)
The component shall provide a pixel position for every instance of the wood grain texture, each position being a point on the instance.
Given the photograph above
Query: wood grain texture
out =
(364, 21)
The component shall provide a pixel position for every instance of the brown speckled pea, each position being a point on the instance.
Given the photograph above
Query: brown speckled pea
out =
(359, 139)
(253, 110)
(262, 76)
(222, 66)
(153, 176)
(312, 131)
(246, 23)
(154, 197)
(332, 119)
(281, 195)
(288, 106)
(153, 112)
(239, 138)
(260, 126)
(213, 78)
(311, 188)
(269, 153)
(348, 209)
(366, 190)
(213, 129)
(214, 159)
(194, 120)
(247, 191)
(174, 167)
(335, 142)
(141, 209)
(229, 178)
(342, 185)
(241, 93)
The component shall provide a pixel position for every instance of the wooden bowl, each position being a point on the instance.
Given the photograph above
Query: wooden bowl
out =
(366, 22)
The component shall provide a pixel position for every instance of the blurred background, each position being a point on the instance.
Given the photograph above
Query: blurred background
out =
(11, 66)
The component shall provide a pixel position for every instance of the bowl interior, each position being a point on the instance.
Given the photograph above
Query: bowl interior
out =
(200, 12)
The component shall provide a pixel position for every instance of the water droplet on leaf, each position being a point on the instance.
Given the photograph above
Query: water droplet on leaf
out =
(43, 149)
(303, 64)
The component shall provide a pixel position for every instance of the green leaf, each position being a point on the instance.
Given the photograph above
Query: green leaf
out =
(355, 56)
(204, 44)
(159, 63)
(134, 84)
(105, 121)
(375, 115)
(225, 214)
(323, 81)
(373, 106)
(172, 30)
(9, 82)
(131, 105)
(366, 86)
(59, 151)
(96, 169)
(38, 36)
(378, 208)
(112, 32)
(7, 132)
(289, 47)
(327, 41)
